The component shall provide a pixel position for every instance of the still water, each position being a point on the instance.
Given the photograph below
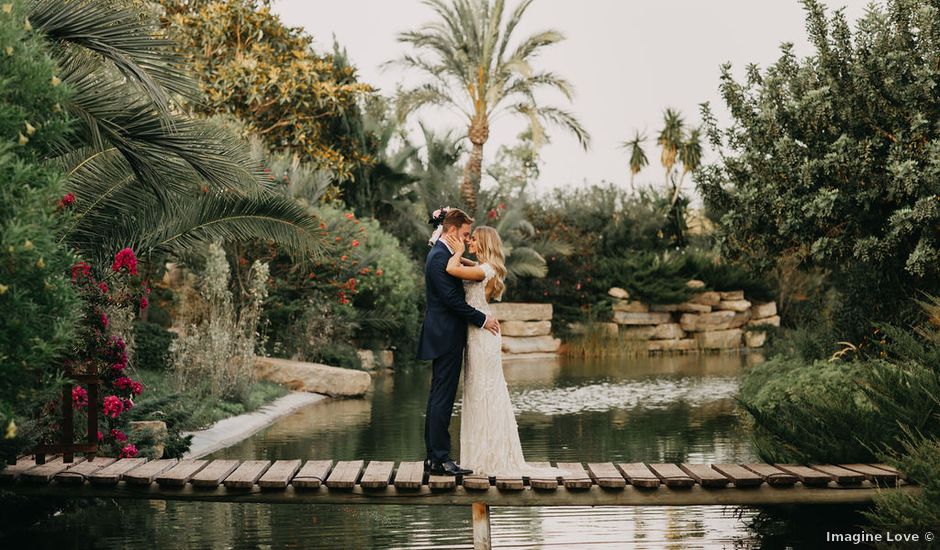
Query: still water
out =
(656, 409)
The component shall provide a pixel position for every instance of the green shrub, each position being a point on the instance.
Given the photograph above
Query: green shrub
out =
(152, 346)
(911, 512)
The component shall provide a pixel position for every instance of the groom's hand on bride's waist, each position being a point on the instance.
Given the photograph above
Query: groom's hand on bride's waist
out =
(491, 324)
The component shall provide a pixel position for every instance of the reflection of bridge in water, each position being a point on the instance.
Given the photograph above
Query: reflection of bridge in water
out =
(381, 482)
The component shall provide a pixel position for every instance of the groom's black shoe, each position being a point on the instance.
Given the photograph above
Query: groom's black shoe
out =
(448, 468)
(427, 464)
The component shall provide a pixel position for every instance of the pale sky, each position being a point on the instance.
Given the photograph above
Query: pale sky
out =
(627, 59)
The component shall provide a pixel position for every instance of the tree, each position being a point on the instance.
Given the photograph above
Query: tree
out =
(690, 155)
(471, 69)
(638, 159)
(250, 64)
(828, 159)
(670, 140)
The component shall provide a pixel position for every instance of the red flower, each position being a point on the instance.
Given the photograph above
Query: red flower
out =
(129, 451)
(125, 258)
(80, 270)
(492, 214)
(100, 437)
(122, 382)
(104, 320)
(136, 388)
(350, 215)
(67, 201)
(355, 243)
(118, 435)
(103, 286)
(113, 406)
(144, 303)
(79, 397)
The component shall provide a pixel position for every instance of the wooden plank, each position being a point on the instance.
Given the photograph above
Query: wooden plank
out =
(12, 471)
(672, 475)
(345, 474)
(773, 476)
(476, 482)
(891, 469)
(841, 475)
(704, 475)
(44, 473)
(214, 472)
(807, 475)
(180, 474)
(877, 476)
(146, 473)
(578, 480)
(510, 483)
(543, 483)
(247, 474)
(377, 475)
(279, 474)
(606, 475)
(409, 476)
(111, 474)
(442, 483)
(739, 475)
(77, 475)
(638, 475)
(312, 474)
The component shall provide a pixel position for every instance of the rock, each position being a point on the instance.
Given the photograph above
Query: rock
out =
(731, 295)
(720, 339)
(632, 306)
(668, 331)
(313, 377)
(631, 318)
(755, 338)
(155, 427)
(773, 321)
(761, 311)
(372, 361)
(684, 308)
(367, 359)
(521, 312)
(387, 358)
(619, 293)
(535, 344)
(664, 307)
(709, 298)
(740, 319)
(579, 328)
(638, 333)
(734, 305)
(695, 283)
(700, 322)
(685, 344)
(525, 328)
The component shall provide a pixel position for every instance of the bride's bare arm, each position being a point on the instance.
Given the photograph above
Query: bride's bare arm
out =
(467, 261)
(466, 272)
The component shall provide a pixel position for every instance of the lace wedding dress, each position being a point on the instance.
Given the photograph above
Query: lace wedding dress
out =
(489, 436)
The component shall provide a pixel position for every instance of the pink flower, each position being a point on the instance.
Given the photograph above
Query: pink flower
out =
(355, 243)
(436, 213)
(67, 200)
(122, 382)
(128, 405)
(136, 388)
(100, 437)
(129, 451)
(79, 397)
(104, 320)
(125, 258)
(144, 303)
(118, 435)
(103, 286)
(80, 270)
(118, 366)
(113, 406)
(492, 214)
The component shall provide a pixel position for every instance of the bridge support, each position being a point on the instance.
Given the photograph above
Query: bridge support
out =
(481, 526)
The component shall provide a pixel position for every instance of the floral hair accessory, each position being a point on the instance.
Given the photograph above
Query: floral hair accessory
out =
(437, 219)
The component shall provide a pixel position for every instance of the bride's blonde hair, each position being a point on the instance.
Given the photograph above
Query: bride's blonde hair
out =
(490, 251)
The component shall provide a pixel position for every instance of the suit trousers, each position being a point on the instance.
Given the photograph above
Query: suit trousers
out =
(445, 374)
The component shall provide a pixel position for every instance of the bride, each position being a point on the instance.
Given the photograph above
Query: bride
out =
(489, 436)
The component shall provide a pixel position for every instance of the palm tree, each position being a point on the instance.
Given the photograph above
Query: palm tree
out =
(670, 139)
(473, 70)
(690, 155)
(638, 159)
(144, 174)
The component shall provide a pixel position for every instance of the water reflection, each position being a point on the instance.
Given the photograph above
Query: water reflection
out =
(665, 409)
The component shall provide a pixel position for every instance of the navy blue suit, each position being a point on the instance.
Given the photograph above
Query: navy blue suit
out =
(443, 339)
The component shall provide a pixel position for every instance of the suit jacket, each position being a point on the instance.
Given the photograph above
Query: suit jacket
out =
(447, 314)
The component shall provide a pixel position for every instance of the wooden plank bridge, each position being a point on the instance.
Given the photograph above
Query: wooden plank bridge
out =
(381, 482)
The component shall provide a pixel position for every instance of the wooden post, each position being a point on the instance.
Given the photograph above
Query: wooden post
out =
(481, 526)
(68, 429)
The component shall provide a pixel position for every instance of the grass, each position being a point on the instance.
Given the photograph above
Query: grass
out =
(190, 410)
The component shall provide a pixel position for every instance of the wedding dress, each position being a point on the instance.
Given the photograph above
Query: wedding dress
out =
(489, 436)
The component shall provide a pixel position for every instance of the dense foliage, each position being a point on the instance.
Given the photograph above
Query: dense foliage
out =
(834, 158)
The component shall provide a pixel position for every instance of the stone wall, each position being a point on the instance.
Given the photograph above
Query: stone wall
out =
(526, 330)
(708, 321)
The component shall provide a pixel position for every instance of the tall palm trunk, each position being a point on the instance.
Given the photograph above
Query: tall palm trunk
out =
(472, 173)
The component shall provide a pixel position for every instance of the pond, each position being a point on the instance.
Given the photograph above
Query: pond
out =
(655, 409)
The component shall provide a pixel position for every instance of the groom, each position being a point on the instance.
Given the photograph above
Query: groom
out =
(443, 338)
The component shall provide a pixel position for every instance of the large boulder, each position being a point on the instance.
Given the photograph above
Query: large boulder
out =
(695, 283)
(313, 377)
(762, 311)
(668, 331)
(708, 298)
(638, 333)
(732, 295)
(579, 328)
(525, 328)
(734, 305)
(684, 344)
(700, 322)
(536, 344)
(773, 321)
(636, 318)
(755, 338)
(720, 339)
(618, 293)
(632, 306)
(521, 311)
